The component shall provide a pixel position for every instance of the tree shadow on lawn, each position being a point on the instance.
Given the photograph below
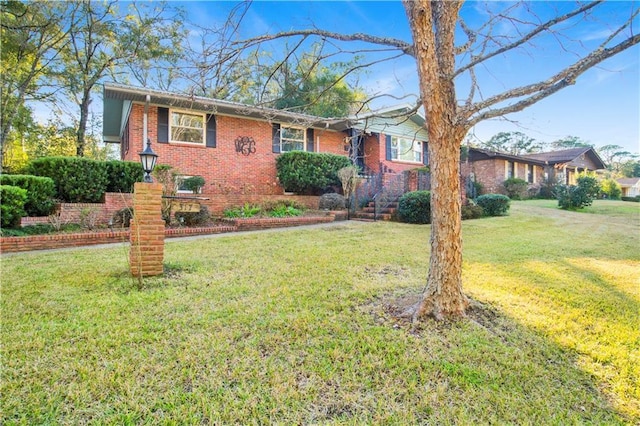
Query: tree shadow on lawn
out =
(496, 355)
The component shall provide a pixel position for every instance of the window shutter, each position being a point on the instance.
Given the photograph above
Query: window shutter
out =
(425, 153)
(388, 148)
(275, 132)
(310, 147)
(211, 131)
(163, 125)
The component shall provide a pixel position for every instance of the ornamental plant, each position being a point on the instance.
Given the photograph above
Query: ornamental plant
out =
(415, 207)
(494, 204)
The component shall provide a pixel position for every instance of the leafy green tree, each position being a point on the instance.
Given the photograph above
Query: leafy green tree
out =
(569, 142)
(630, 168)
(514, 143)
(611, 189)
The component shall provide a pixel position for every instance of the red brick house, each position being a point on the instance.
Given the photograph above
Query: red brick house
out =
(235, 146)
(491, 168)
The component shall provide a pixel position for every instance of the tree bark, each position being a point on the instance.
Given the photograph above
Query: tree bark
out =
(433, 27)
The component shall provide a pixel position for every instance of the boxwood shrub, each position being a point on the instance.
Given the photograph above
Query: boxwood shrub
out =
(635, 199)
(494, 204)
(472, 211)
(121, 175)
(12, 200)
(40, 192)
(309, 172)
(77, 179)
(415, 207)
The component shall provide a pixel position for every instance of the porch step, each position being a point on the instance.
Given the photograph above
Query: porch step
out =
(371, 216)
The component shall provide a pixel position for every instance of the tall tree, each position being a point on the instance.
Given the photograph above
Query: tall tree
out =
(105, 41)
(569, 142)
(31, 39)
(514, 143)
(441, 63)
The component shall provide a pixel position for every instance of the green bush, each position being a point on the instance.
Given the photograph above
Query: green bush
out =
(635, 199)
(194, 218)
(611, 189)
(77, 180)
(494, 204)
(472, 211)
(284, 211)
(121, 175)
(516, 188)
(12, 200)
(248, 210)
(574, 197)
(193, 183)
(309, 172)
(40, 192)
(415, 207)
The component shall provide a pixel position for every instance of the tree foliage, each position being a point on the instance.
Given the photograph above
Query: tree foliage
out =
(514, 143)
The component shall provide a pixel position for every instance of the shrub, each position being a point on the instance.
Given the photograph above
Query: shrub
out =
(635, 199)
(415, 207)
(332, 201)
(611, 189)
(284, 211)
(194, 218)
(547, 189)
(77, 180)
(516, 188)
(574, 197)
(121, 175)
(89, 218)
(12, 200)
(248, 210)
(40, 192)
(309, 172)
(472, 211)
(494, 204)
(122, 218)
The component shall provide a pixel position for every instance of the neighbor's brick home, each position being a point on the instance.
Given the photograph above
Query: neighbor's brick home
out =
(234, 146)
(492, 168)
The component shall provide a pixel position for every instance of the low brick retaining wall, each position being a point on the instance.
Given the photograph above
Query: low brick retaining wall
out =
(52, 241)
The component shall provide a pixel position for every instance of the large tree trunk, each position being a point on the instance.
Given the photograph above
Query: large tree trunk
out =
(433, 27)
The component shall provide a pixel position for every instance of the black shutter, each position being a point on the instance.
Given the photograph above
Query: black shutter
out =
(163, 125)
(211, 131)
(425, 153)
(275, 132)
(310, 140)
(388, 148)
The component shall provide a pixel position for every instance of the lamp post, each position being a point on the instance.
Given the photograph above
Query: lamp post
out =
(148, 159)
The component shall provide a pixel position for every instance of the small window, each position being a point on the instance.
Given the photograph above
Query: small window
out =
(403, 149)
(510, 171)
(531, 173)
(187, 127)
(292, 139)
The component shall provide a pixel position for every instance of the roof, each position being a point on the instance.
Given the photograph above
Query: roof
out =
(117, 99)
(628, 182)
(542, 158)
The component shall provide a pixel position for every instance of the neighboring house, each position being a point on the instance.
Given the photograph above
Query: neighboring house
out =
(235, 146)
(492, 168)
(630, 186)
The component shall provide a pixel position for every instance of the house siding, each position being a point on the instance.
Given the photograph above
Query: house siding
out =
(491, 173)
(225, 171)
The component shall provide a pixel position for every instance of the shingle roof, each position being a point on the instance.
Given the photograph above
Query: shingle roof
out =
(563, 156)
(628, 181)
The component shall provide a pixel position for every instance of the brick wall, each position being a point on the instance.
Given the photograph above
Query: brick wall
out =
(491, 174)
(225, 171)
(146, 253)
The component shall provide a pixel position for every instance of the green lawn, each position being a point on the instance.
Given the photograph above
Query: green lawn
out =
(294, 327)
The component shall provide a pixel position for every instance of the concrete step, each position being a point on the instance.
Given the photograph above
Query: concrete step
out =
(371, 216)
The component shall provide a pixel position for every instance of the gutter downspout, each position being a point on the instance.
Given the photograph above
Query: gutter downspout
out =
(145, 130)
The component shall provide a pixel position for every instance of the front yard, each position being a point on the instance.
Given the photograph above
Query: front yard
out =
(295, 327)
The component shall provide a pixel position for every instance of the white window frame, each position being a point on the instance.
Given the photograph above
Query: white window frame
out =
(283, 139)
(192, 113)
(416, 149)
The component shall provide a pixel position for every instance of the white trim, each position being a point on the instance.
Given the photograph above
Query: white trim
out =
(203, 115)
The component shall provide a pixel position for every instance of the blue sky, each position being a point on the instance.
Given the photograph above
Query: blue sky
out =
(603, 107)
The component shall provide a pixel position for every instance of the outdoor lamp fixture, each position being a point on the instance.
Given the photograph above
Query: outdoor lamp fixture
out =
(148, 159)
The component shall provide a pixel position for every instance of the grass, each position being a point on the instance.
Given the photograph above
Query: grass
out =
(294, 327)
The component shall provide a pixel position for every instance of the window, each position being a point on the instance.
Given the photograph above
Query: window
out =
(292, 139)
(187, 127)
(510, 170)
(531, 176)
(406, 149)
(181, 188)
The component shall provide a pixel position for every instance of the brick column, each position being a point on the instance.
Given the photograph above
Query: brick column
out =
(147, 230)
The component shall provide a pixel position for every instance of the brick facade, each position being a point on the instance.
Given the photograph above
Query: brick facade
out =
(491, 174)
(147, 231)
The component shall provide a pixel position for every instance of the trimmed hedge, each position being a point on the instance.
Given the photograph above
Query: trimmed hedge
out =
(494, 204)
(12, 201)
(635, 199)
(309, 172)
(415, 207)
(77, 179)
(121, 175)
(40, 192)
